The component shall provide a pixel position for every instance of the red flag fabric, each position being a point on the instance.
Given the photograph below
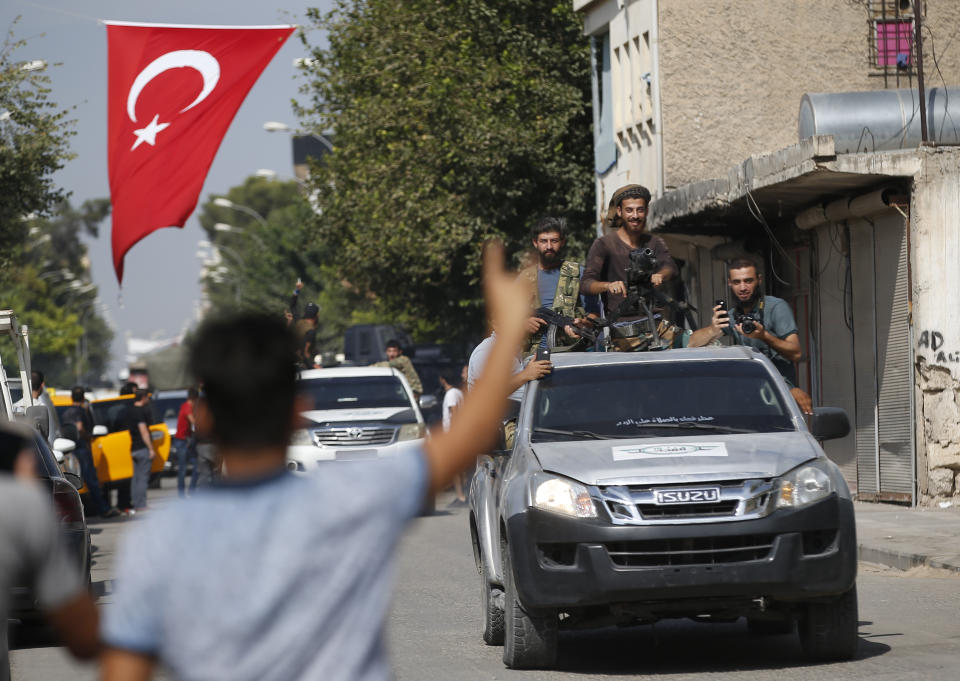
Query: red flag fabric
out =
(173, 91)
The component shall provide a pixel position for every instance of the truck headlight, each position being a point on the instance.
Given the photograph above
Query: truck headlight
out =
(563, 496)
(301, 438)
(410, 431)
(803, 486)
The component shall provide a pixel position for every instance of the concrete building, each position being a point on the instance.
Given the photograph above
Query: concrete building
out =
(684, 89)
(856, 230)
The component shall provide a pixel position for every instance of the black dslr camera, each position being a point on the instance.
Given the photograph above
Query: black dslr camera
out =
(747, 321)
(643, 264)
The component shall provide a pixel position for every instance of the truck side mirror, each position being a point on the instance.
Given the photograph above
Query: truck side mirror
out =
(99, 431)
(829, 423)
(428, 401)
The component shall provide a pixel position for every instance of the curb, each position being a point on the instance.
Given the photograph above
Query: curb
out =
(901, 561)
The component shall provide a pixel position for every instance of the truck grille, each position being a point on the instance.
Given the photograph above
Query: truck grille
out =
(716, 501)
(354, 436)
(694, 551)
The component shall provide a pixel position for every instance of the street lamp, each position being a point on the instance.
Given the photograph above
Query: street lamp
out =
(277, 126)
(224, 227)
(224, 202)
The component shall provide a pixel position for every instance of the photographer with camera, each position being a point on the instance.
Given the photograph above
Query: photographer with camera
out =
(763, 322)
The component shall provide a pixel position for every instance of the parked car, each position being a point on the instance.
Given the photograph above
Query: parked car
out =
(358, 413)
(63, 488)
(652, 485)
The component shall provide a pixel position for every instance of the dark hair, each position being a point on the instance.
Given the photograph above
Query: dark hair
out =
(76, 393)
(549, 224)
(742, 262)
(192, 392)
(451, 376)
(246, 364)
(310, 311)
(637, 192)
(394, 343)
(13, 440)
(36, 379)
(129, 388)
(140, 393)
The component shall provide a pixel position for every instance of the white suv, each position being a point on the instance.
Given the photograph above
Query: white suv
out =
(358, 413)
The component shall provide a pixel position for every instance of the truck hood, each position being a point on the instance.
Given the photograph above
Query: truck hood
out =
(677, 459)
(398, 414)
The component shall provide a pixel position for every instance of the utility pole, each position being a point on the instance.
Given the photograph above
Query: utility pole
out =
(918, 41)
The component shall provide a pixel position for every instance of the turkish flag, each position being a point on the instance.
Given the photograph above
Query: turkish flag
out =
(173, 91)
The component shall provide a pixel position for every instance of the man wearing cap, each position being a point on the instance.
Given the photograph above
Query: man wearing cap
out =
(609, 256)
(306, 331)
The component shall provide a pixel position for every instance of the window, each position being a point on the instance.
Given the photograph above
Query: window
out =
(894, 43)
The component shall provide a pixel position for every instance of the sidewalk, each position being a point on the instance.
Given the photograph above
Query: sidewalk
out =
(903, 538)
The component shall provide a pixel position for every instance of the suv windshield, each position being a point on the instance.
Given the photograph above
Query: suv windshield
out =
(355, 392)
(166, 408)
(658, 399)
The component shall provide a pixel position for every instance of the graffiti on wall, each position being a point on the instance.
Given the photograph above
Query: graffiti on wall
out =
(933, 342)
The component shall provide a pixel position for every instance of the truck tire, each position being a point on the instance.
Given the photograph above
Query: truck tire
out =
(828, 631)
(530, 641)
(491, 604)
(765, 627)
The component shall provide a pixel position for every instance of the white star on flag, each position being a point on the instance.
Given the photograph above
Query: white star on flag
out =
(149, 133)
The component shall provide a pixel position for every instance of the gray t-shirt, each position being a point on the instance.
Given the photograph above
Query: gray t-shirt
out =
(777, 318)
(286, 578)
(32, 552)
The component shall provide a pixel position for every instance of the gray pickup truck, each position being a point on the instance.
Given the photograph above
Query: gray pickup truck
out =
(644, 486)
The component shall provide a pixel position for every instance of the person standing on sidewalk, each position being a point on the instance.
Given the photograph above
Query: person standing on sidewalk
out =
(136, 419)
(185, 443)
(452, 399)
(78, 416)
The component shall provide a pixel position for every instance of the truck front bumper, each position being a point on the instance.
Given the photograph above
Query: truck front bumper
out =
(790, 555)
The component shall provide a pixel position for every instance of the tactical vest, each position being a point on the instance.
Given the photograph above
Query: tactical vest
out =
(566, 299)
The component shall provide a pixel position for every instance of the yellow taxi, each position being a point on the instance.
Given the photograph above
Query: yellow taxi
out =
(111, 441)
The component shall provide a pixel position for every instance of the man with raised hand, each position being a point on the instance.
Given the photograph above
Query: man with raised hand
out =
(232, 583)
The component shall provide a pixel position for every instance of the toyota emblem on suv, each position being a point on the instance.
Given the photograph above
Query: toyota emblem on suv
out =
(355, 433)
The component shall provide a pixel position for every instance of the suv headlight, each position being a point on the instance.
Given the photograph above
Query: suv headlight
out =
(803, 486)
(410, 431)
(301, 437)
(561, 495)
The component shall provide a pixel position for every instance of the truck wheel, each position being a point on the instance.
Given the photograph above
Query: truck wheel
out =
(491, 603)
(762, 627)
(530, 642)
(828, 631)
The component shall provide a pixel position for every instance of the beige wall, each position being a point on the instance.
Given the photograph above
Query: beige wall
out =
(732, 72)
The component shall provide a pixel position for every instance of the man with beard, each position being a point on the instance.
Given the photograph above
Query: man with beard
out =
(609, 256)
(556, 282)
(774, 332)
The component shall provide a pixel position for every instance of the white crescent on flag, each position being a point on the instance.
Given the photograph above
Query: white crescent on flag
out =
(204, 62)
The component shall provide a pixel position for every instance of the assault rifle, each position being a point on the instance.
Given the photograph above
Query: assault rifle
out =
(560, 321)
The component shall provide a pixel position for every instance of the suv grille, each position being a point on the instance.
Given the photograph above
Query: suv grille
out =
(674, 503)
(695, 551)
(354, 436)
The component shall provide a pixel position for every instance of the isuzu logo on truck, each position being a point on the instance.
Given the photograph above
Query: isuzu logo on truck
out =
(699, 495)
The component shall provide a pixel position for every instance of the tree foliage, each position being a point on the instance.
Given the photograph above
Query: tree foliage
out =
(47, 284)
(453, 121)
(34, 144)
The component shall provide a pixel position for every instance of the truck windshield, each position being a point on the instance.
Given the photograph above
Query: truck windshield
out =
(658, 399)
(358, 392)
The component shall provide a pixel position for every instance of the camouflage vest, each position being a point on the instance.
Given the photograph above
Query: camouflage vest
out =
(566, 299)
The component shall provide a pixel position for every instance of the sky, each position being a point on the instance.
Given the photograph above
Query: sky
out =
(161, 279)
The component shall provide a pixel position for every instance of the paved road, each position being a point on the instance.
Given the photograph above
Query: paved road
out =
(909, 628)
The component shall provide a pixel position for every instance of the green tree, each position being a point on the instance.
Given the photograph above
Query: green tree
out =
(48, 286)
(266, 249)
(34, 144)
(454, 121)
